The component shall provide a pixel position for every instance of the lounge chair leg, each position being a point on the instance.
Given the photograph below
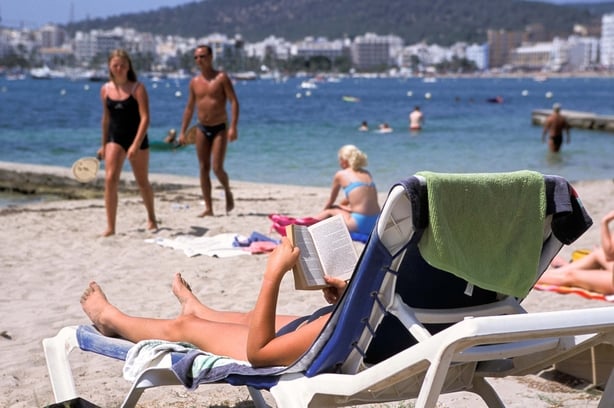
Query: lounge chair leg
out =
(56, 351)
(257, 397)
(482, 388)
(607, 399)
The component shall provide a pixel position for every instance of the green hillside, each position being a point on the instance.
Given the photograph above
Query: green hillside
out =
(434, 21)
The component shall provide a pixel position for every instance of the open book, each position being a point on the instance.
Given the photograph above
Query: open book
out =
(326, 249)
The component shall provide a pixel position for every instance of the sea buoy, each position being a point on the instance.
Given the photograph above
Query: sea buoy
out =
(525, 92)
(178, 94)
(548, 94)
(427, 95)
(409, 93)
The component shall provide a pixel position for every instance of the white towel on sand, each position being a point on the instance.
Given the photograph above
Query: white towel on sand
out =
(218, 246)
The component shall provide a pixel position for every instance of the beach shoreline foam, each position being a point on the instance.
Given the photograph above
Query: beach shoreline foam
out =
(52, 250)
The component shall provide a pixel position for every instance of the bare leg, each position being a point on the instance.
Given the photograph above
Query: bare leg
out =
(191, 305)
(140, 168)
(331, 212)
(592, 272)
(114, 160)
(202, 333)
(203, 151)
(219, 154)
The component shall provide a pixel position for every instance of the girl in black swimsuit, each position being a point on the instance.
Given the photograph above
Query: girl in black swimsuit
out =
(125, 118)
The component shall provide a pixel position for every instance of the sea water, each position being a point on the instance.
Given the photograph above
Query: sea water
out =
(288, 134)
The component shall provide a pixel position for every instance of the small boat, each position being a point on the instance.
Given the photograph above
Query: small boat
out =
(98, 76)
(40, 73)
(308, 85)
(245, 76)
(46, 73)
(350, 99)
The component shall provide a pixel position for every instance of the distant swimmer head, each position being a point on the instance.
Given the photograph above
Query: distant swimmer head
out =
(556, 107)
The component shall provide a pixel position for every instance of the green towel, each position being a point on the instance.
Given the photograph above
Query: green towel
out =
(486, 228)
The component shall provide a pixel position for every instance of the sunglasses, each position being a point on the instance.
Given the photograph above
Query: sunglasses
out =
(201, 56)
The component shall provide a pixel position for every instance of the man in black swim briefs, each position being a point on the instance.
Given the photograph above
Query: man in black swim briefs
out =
(209, 92)
(211, 132)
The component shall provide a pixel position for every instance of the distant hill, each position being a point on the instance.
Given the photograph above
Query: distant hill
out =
(434, 21)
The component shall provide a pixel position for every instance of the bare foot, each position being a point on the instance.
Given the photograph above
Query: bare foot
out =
(230, 202)
(95, 305)
(206, 213)
(152, 225)
(108, 232)
(558, 261)
(183, 293)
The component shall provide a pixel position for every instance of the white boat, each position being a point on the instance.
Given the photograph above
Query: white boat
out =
(46, 73)
(244, 76)
(41, 73)
(308, 85)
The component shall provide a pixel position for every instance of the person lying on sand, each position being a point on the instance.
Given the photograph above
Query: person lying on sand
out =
(259, 336)
(594, 272)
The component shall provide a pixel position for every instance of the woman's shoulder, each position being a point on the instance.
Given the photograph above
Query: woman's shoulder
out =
(362, 174)
(104, 88)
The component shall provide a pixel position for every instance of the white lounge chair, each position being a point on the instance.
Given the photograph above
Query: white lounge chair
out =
(405, 329)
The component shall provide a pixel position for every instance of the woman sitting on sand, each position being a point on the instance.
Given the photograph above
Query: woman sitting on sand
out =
(255, 336)
(594, 272)
(360, 207)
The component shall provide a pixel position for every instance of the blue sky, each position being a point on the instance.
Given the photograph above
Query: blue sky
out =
(35, 13)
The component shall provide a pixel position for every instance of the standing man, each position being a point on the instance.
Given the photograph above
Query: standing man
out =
(554, 126)
(415, 119)
(209, 92)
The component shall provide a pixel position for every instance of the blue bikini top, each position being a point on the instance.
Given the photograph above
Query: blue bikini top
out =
(355, 184)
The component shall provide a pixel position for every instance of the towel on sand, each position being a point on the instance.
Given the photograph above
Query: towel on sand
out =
(479, 225)
(565, 290)
(218, 246)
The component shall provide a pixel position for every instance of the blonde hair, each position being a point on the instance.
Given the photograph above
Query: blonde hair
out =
(123, 54)
(354, 156)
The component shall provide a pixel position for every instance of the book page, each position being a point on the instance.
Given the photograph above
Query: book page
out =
(310, 273)
(335, 247)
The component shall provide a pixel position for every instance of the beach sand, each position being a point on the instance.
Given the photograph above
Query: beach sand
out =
(52, 250)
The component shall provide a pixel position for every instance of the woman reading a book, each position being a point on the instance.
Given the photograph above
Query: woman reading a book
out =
(359, 207)
(254, 336)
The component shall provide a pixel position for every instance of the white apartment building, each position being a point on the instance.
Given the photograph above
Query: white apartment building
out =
(532, 57)
(607, 40)
(89, 45)
(311, 47)
(582, 53)
(274, 47)
(52, 36)
(98, 42)
(372, 50)
(478, 54)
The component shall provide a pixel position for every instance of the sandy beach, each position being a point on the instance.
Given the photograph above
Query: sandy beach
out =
(51, 250)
